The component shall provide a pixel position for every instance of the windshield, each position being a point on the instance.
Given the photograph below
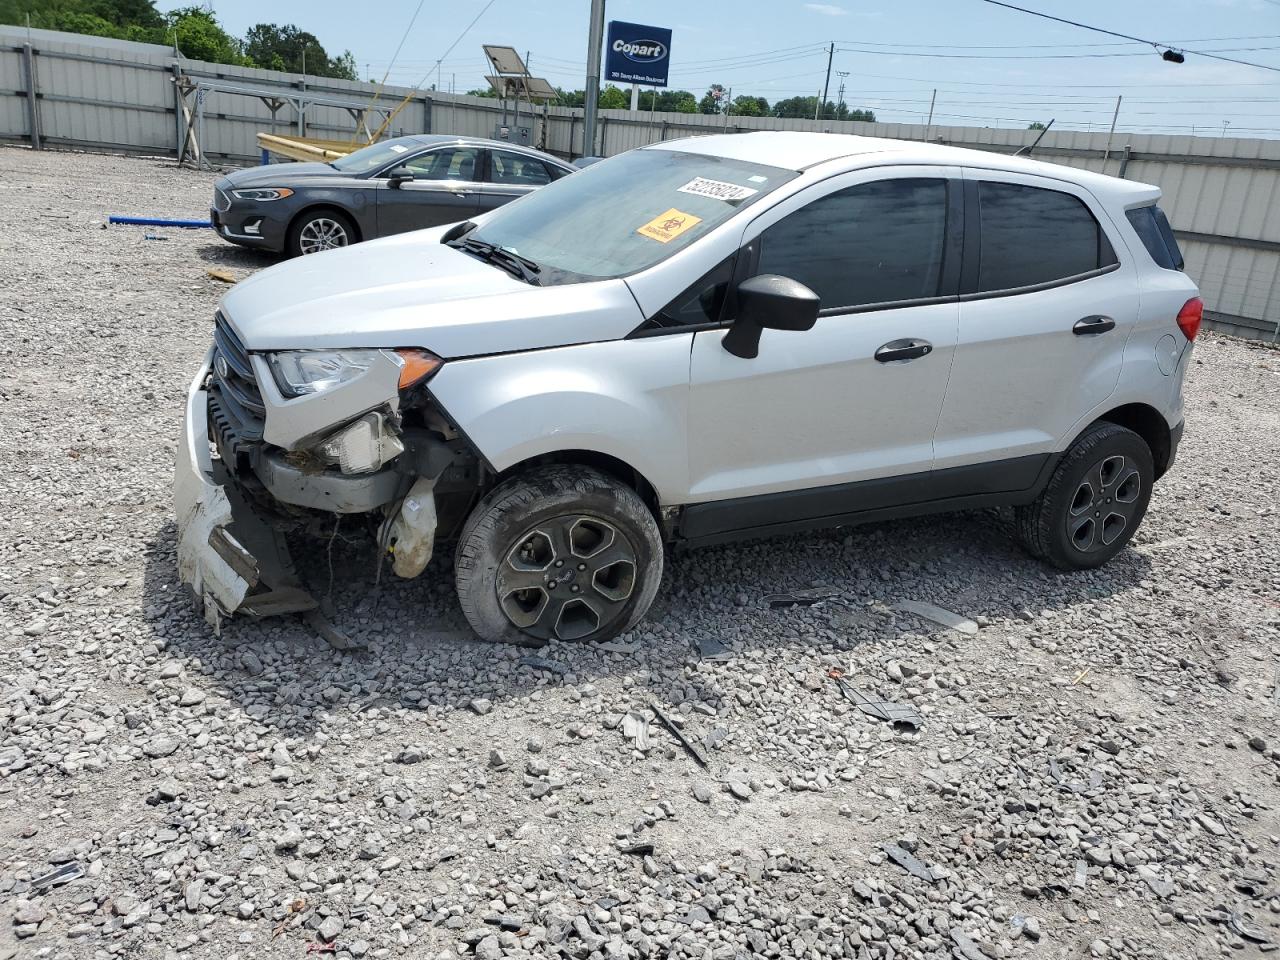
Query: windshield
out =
(625, 214)
(371, 157)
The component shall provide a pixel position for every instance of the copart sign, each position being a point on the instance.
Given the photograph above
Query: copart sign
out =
(637, 54)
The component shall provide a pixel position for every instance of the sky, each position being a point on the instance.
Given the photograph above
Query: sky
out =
(990, 66)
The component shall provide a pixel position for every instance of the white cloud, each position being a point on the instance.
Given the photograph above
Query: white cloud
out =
(826, 9)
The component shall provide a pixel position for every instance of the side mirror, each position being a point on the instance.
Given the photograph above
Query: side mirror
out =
(398, 175)
(769, 302)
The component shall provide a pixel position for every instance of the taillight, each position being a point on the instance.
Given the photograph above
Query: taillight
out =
(1189, 317)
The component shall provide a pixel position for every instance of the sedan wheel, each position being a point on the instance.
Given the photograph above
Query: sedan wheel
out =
(320, 230)
(322, 233)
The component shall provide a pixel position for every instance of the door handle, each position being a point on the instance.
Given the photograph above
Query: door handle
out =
(907, 349)
(1088, 326)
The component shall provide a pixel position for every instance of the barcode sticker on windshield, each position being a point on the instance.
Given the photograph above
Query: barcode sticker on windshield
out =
(717, 189)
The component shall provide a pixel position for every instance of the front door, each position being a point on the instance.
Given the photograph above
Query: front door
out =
(818, 408)
(1046, 309)
(445, 189)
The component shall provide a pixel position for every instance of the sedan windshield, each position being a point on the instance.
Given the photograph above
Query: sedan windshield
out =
(371, 157)
(627, 213)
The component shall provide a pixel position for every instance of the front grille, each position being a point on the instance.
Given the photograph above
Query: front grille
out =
(221, 202)
(236, 411)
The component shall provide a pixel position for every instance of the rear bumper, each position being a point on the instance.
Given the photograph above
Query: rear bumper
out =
(229, 556)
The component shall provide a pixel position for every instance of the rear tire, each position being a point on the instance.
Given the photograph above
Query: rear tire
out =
(1093, 503)
(317, 230)
(559, 553)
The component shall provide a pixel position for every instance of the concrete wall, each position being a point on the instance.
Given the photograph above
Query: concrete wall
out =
(1222, 194)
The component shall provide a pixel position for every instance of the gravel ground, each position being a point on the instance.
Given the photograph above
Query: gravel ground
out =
(1097, 772)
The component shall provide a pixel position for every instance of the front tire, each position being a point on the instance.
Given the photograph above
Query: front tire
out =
(1094, 501)
(318, 230)
(558, 553)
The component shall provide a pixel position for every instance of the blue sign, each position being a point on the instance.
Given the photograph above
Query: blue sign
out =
(637, 54)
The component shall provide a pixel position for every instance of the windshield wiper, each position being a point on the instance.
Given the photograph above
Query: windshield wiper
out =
(522, 268)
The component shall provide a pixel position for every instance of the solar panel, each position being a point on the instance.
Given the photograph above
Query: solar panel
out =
(505, 60)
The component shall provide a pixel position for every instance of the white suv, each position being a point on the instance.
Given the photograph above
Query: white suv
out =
(689, 343)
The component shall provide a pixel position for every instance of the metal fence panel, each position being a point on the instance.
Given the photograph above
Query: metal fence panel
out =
(1219, 192)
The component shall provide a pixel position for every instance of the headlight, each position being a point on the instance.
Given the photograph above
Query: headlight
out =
(264, 193)
(301, 372)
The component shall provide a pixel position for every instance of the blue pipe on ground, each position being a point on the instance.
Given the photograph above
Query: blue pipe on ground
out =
(157, 222)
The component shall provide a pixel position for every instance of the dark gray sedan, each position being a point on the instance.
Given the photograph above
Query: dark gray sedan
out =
(389, 187)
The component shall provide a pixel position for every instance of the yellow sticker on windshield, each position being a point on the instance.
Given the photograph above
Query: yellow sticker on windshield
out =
(665, 227)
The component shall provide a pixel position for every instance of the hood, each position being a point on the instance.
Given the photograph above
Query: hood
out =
(279, 174)
(412, 291)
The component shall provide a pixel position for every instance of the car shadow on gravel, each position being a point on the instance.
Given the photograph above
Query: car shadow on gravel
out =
(230, 255)
(417, 652)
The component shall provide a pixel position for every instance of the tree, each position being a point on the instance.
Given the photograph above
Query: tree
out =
(200, 37)
(668, 101)
(1035, 126)
(290, 49)
(796, 107)
(749, 106)
(612, 98)
(714, 100)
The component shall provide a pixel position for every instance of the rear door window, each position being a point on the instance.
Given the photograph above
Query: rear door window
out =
(516, 169)
(873, 243)
(1153, 229)
(1034, 235)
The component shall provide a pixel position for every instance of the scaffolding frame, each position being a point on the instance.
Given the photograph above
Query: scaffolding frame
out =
(194, 91)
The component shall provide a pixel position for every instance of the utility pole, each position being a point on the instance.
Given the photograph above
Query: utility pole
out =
(831, 52)
(817, 105)
(840, 96)
(928, 127)
(591, 96)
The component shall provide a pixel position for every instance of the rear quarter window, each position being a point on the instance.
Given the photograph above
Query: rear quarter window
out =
(1153, 229)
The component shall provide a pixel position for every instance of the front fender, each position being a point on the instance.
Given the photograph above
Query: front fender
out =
(627, 399)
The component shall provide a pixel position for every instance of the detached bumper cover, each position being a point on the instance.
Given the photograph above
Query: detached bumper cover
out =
(230, 557)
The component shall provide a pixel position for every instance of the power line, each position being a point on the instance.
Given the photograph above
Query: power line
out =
(467, 30)
(1125, 36)
(403, 38)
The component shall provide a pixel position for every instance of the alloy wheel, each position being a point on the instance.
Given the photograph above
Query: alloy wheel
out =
(567, 578)
(322, 233)
(1105, 504)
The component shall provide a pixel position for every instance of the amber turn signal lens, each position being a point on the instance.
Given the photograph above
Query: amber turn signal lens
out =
(418, 366)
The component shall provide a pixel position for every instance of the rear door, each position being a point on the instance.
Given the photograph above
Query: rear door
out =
(510, 175)
(445, 189)
(1046, 305)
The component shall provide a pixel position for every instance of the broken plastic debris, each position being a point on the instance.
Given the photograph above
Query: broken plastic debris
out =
(802, 598)
(938, 615)
(712, 649)
(613, 646)
(1074, 786)
(636, 728)
(56, 878)
(542, 663)
(895, 713)
(1245, 928)
(913, 866)
(690, 749)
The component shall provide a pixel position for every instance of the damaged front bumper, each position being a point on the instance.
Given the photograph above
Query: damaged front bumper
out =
(230, 556)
